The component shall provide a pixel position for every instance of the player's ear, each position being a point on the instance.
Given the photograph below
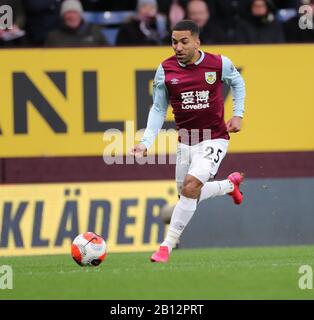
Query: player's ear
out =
(197, 42)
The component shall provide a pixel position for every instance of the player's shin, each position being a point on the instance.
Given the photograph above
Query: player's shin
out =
(216, 188)
(181, 216)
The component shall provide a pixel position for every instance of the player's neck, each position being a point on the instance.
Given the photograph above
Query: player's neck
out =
(196, 57)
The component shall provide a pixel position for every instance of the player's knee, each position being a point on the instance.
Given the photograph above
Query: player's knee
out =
(191, 188)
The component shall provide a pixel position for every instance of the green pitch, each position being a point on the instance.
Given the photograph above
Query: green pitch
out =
(231, 273)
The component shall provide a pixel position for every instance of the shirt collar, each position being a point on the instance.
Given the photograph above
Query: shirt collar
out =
(196, 62)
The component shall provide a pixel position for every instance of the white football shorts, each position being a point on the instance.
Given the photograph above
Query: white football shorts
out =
(201, 160)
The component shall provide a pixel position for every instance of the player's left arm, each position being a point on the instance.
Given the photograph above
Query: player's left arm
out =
(233, 78)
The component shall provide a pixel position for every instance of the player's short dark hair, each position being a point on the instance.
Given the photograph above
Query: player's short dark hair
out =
(187, 25)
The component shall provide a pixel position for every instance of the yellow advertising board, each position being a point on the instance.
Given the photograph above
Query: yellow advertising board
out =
(44, 218)
(59, 102)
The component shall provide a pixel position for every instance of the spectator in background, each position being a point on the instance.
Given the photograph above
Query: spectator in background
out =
(176, 13)
(210, 32)
(261, 26)
(74, 31)
(164, 5)
(293, 31)
(174, 10)
(15, 36)
(42, 16)
(147, 28)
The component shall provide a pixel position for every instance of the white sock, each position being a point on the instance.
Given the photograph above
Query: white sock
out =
(181, 216)
(216, 188)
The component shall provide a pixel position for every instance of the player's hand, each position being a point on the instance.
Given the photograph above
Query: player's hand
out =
(234, 124)
(139, 151)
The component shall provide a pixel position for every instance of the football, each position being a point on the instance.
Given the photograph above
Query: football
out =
(89, 249)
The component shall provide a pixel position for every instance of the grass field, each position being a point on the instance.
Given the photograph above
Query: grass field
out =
(229, 273)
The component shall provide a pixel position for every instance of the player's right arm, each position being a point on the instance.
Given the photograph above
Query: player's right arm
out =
(157, 114)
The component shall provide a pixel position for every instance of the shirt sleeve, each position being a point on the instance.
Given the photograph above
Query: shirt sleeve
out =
(233, 78)
(158, 111)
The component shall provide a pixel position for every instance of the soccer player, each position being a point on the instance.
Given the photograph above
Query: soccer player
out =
(192, 80)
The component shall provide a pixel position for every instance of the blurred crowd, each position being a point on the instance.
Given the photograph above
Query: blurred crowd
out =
(51, 23)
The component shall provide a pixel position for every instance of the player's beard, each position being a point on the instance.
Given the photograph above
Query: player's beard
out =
(185, 58)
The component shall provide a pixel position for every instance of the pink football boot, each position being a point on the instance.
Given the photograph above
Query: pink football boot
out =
(162, 255)
(236, 178)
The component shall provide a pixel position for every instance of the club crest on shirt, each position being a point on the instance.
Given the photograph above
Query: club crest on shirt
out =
(210, 77)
